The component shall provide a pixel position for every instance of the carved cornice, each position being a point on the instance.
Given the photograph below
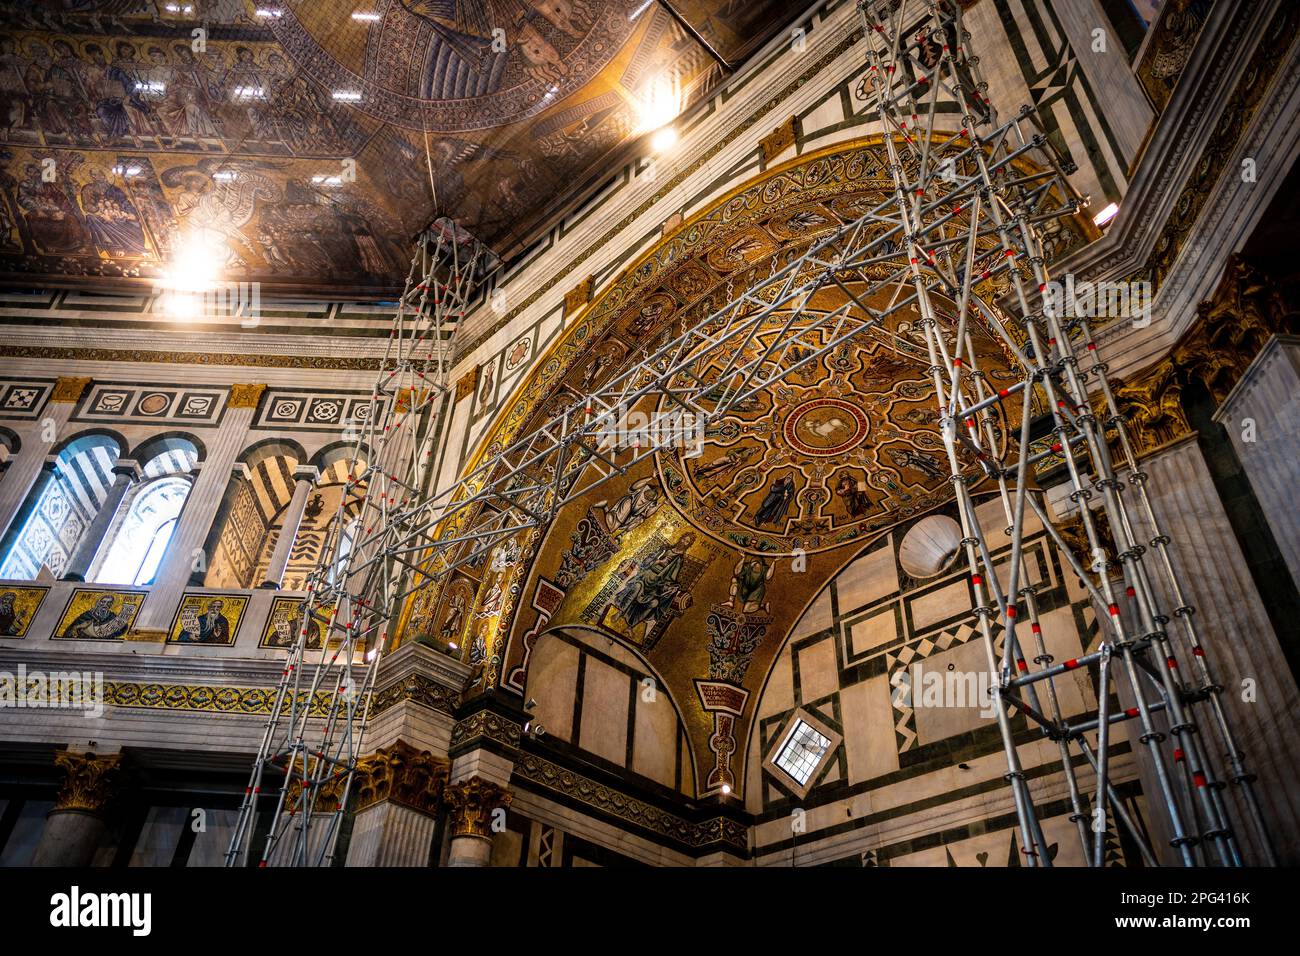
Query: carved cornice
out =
(69, 389)
(485, 726)
(88, 780)
(245, 396)
(416, 689)
(627, 809)
(403, 775)
(1231, 328)
(236, 359)
(471, 803)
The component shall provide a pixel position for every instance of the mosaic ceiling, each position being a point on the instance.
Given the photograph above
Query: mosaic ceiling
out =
(305, 141)
(703, 562)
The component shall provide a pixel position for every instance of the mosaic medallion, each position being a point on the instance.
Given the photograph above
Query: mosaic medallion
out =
(825, 426)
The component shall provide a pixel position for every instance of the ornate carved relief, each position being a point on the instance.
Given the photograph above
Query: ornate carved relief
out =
(88, 780)
(472, 802)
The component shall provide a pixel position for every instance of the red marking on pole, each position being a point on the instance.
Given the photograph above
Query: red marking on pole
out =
(1198, 778)
(1171, 664)
(1056, 446)
(1130, 592)
(976, 579)
(1003, 393)
(1034, 628)
(1021, 665)
(1071, 664)
(956, 363)
(1114, 610)
(1131, 712)
(1198, 652)
(1011, 610)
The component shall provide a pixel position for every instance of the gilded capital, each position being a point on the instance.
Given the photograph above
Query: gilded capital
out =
(88, 780)
(69, 389)
(245, 396)
(401, 774)
(472, 802)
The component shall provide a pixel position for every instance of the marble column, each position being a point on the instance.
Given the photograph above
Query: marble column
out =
(126, 472)
(75, 827)
(200, 510)
(473, 803)
(1262, 418)
(397, 793)
(304, 480)
(25, 467)
(1260, 695)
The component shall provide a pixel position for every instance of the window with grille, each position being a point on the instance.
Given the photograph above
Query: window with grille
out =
(802, 751)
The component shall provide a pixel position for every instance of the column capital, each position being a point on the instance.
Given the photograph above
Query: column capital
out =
(401, 774)
(306, 473)
(245, 396)
(471, 803)
(69, 389)
(88, 780)
(128, 467)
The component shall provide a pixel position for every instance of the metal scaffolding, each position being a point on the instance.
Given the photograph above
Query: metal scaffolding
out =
(972, 195)
(316, 725)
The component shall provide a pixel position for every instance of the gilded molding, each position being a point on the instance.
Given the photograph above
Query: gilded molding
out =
(576, 299)
(780, 139)
(88, 780)
(69, 389)
(245, 396)
(415, 779)
(471, 803)
(466, 384)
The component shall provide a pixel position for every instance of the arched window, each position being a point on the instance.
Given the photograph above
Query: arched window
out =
(346, 539)
(142, 538)
(63, 509)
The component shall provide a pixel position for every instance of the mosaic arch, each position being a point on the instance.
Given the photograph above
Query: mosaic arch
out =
(689, 560)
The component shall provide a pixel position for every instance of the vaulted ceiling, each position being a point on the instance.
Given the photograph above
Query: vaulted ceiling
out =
(302, 143)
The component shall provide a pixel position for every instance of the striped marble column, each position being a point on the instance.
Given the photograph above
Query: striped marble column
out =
(1262, 418)
(1260, 694)
(304, 480)
(126, 473)
(200, 510)
(25, 467)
